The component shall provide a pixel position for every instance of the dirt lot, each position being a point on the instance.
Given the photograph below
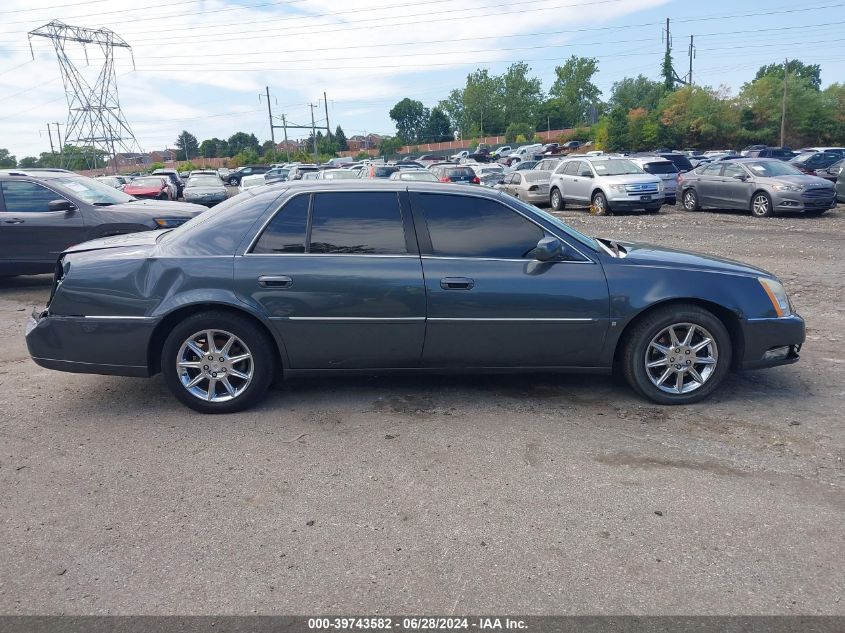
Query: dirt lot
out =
(532, 494)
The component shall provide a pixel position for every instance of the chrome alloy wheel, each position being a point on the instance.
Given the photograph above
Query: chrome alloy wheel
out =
(215, 366)
(681, 358)
(689, 200)
(760, 204)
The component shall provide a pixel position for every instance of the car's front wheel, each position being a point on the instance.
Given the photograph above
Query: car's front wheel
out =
(218, 362)
(761, 205)
(233, 182)
(556, 200)
(599, 204)
(677, 355)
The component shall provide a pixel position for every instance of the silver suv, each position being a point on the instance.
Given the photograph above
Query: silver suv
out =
(606, 184)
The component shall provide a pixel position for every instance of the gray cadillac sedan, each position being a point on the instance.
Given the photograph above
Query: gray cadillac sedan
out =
(392, 276)
(763, 186)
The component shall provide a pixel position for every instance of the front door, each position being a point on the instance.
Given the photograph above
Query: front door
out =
(735, 187)
(32, 236)
(339, 276)
(489, 303)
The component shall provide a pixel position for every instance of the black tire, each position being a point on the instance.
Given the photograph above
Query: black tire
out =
(689, 200)
(599, 204)
(556, 200)
(257, 343)
(761, 205)
(637, 348)
(163, 196)
(815, 212)
(233, 182)
(653, 209)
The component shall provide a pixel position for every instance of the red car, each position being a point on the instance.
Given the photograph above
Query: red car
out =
(149, 187)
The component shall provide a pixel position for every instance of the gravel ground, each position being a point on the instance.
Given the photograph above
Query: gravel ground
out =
(530, 494)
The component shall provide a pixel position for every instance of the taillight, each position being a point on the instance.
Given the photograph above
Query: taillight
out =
(445, 179)
(476, 181)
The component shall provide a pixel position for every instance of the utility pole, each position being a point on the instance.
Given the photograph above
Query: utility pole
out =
(328, 127)
(691, 57)
(313, 130)
(285, 128)
(783, 103)
(270, 115)
(50, 134)
(61, 145)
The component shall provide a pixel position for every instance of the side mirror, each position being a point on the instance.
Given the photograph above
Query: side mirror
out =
(741, 177)
(585, 175)
(547, 249)
(61, 205)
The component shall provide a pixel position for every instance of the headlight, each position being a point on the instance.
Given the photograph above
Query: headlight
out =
(777, 295)
(785, 187)
(618, 188)
(169, 223)
(660, 185)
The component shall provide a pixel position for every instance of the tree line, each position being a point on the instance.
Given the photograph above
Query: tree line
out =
(640, 113)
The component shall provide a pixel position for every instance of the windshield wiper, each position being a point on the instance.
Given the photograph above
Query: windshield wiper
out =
(103, 204)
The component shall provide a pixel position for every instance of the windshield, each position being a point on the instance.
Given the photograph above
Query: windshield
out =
(204, 181)
(615, 167)
(339, 175)
(91, 191)
(425, 176)
(146, 182)
(770, 168)
(666, 167)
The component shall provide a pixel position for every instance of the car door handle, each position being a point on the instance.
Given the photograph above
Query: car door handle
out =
(457, 283)
(275, 281)
(14, 221)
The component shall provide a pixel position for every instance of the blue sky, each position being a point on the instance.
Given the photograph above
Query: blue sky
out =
(201, 64)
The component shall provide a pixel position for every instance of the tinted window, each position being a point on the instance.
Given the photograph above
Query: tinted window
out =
(460, 173)
(660, 168)
(365, 222)
(26, 197)
(286, 231)
(733, 170)
(572, 168)
(584, 170)
(384, 172)
(463, 226)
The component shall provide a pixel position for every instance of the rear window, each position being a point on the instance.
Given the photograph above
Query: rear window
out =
(537, 176)
(384, 172)
(464, 172)
(680, 161)
(660, 168)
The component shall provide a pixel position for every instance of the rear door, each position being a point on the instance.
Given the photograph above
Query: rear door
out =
(490, 304)
(568, 181)
(708, 185)
(30, 234)
(339, 275)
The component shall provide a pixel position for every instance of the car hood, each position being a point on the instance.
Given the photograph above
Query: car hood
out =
(172, 209)
(810, 182)
(145, 239)
(640, 254)
(140, 190)
(205, 190)
(629, 179)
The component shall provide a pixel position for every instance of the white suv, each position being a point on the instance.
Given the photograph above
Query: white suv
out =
(606, 184)
(664, 169)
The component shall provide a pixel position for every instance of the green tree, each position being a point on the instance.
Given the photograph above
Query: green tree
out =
(636, 92)
(482, 104)
(28, 161)
(155, 166)
(6, 159)
(390, 146)
(616, 130)
(340, 139)
(438, 128)
(521, 95)
(666, 70)
(796, 68)
(411, 118)
(187, 146)
(516, 130)
(453, 106)
(240, 141)
(214, 148)
(575, 88)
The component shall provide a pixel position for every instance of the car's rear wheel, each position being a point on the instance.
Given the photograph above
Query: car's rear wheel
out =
(761, 205)
(599, 204)
(218, 362)
(690, 200)
(556, 200)
(233, 182)
(677, 355)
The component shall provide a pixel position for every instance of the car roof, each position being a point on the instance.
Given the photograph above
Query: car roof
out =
(649, 159)
(380, 185)
(37, 172)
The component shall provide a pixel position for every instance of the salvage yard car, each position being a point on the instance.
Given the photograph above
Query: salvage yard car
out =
(392, 276)
(763, 186)
(43, 211)
(605, 184)
(205, 189)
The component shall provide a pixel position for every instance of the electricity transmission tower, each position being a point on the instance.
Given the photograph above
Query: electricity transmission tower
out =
(95, 123)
